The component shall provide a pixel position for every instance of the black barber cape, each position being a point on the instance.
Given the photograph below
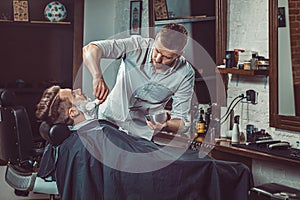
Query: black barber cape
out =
(101, 162)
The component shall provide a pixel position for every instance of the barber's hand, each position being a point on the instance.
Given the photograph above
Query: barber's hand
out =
(157, 126)
(100, 89)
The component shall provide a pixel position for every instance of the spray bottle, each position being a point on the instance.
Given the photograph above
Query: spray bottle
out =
(235, 130)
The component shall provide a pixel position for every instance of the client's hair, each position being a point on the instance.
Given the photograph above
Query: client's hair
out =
(173, 36)
(53, 109)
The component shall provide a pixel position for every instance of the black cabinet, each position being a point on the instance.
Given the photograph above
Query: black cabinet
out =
(38, 53)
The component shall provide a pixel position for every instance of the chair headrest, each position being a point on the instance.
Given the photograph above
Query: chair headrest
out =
(54, 134)
(6, 97)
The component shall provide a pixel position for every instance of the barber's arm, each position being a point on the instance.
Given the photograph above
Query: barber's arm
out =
(91, 57)
(180, 106)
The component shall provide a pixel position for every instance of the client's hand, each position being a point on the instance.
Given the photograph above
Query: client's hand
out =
(100, 89)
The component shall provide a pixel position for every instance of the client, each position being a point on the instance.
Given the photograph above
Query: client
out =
(59, 105)
(99, 161)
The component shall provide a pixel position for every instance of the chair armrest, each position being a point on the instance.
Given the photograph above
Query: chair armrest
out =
(19, 180)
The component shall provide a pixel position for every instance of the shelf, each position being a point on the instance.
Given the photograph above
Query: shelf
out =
(251, 72)
(5, 20)
(48, 22)
(190, 19)
(31, 23)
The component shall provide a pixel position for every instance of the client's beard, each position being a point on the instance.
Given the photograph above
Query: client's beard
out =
(90, 112)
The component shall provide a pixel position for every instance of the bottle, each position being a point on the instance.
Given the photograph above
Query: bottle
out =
(254, 61)
(201, 122)
(235, 138)
(200, 127)
(208, 118)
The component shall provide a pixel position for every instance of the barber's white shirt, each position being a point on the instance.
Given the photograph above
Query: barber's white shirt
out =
(139, 90)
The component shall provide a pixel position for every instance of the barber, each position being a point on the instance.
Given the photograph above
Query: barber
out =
(153, 71)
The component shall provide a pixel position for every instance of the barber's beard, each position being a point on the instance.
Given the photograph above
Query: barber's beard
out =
(90, 112)
(164, 67)
(159, 66)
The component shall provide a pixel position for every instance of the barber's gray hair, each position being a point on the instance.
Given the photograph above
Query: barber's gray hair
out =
(173, 36)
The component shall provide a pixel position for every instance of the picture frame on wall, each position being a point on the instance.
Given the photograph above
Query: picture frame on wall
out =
(135, 17)
(160, 10)
(20, 9)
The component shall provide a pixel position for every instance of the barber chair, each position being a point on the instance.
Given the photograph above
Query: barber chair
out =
(18, 150)
(274, 191)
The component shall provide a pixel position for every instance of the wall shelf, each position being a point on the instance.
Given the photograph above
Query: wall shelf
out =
(251, 72)
(10, 23)
(48, 22)
(190, 19)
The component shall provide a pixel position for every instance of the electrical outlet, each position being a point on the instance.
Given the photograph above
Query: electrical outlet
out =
(297, 146)
(252, 96)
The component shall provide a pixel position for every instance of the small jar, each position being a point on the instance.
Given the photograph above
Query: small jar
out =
(247, 65)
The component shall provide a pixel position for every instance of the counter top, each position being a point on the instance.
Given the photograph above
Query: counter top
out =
(224, 150)
(226, 147)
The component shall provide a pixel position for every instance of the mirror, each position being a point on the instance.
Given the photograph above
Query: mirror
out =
(281, 116)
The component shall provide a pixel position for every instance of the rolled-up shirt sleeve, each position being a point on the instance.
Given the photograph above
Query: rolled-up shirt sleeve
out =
(118, 48)
(183, 96)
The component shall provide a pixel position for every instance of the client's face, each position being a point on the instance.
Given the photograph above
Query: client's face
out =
(80, 101)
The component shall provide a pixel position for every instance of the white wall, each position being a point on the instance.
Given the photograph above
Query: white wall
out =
(99, 23)
(99, 17)
(106, 19)
(248, 25)
(248, 29)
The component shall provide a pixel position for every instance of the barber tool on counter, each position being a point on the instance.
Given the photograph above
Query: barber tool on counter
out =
(254, 135)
